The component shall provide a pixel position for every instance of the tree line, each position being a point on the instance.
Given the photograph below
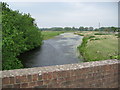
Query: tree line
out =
(19, 34)
(106, 29)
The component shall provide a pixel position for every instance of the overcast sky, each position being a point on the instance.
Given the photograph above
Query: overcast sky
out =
(64, 14)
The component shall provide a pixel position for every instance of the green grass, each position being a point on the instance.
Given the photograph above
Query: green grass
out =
(102, 34)
(99, 47)
(50, 34)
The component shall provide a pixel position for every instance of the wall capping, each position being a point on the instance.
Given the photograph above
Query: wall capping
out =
(47, 69)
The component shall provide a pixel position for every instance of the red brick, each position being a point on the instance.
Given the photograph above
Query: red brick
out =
(54, 86)
(7, 86)
(54, 81)
(39, 77)
(73, 78)
(45, 76)
(85, 70)
(12, 80)
(39, 83)
(76, 72)
(46, 82)
(35, 77)
(6, 80)
(61, 74)
(24, 85)
(54, 74)
(20, 79)
(67, 83)
(50, 86)
(68, 78)
(107, 67)
(29, 78)
(68, 74)
(16, 85)
(33, 84)
(73, 73)
(60, 80)
(50, 76)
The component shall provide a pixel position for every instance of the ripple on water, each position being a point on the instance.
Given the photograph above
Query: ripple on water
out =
(57, 51)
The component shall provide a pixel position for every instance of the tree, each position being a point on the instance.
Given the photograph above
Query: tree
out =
(19, 34)
(114, 29)
(67, 28)
(90, 28)
(81, 28)
(86, 28)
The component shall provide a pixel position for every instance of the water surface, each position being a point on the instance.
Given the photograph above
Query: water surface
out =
(57, 51)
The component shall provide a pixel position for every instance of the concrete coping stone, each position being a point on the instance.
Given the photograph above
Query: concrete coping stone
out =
(47, 69)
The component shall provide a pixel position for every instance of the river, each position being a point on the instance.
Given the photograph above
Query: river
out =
(60, 50)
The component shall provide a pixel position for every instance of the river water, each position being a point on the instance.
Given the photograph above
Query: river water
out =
(57, 51)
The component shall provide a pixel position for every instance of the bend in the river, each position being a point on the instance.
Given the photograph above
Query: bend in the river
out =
(57, 51)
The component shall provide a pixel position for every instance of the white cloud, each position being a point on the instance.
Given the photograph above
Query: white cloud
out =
(70, 14)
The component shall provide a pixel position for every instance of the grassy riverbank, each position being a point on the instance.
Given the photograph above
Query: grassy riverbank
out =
(96, 46)
(50, 34)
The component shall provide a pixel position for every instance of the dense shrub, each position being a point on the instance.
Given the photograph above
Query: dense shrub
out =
(19, 34)
(102, 34)
(91, 37)
(83, 46)
(81, 34)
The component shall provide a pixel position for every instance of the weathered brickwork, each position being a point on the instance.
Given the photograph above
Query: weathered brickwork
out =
(99, 74)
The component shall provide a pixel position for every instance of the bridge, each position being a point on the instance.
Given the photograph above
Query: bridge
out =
(97, 74)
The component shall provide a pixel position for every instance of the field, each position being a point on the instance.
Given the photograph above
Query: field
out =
(50, 34)
(99, 47)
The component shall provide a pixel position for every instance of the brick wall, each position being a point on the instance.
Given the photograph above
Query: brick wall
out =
(102, 74)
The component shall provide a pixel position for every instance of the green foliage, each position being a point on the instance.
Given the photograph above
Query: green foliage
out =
(94, 39)
(114, 57)
(118, 35)
(81, 34)
(91, 37)
(50, 34)
(108, 29)
(19, 34)
(100, 49)
(102, 34)
(83, 46)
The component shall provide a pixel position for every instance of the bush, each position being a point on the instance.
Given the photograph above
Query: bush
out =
(91, 37)
(114, 57)
(102, 34)
(81, 34)
(20, 34)
(82, 47)
(118, 35)
(94, 39)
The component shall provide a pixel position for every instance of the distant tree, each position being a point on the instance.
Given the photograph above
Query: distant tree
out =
(67, 28)
(107, 29)
(73, 28)
(58, 29)
(81, 28)
(86, 28)
(90, 28)
(102, 29)
(96, 29)
(114, 29)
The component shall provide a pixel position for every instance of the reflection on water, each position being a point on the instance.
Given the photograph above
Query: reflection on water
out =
(60, 50)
